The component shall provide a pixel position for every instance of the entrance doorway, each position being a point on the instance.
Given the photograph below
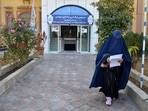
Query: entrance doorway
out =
(69, 37)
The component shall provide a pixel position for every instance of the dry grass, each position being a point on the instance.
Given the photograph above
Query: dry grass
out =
(138, 66)
(4, 61)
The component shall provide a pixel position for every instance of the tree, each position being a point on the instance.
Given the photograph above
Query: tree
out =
(113, 14)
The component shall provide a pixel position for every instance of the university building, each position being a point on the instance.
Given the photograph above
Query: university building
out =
(69, 24)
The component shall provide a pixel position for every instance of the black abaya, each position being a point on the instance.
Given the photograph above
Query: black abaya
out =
(111, 80)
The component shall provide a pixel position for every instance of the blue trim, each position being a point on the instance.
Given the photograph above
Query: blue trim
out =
(144, 23)
(145, 9)
(142, 65)
(71, 10)
(141, 79)
(144, 38)
(143, 52)
(70, 14)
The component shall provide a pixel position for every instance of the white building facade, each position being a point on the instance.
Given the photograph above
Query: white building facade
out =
(69, 25)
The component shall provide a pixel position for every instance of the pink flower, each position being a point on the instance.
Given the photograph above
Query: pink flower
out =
(10, 16)
(19, 19)
(7, 14)
(21, 24)
(12, 31)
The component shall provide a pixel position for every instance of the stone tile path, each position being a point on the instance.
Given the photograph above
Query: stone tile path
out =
(61, 83)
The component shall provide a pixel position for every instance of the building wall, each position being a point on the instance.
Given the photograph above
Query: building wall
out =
(49, 6)
(133, 25)
(44, 7)
(0, 10)
(139, 20)
(17, 7)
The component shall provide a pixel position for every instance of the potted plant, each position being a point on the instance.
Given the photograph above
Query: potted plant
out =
(40, 41)
(19, 39)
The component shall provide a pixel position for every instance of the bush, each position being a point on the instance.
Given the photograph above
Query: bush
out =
(19, 39)
(134, 43)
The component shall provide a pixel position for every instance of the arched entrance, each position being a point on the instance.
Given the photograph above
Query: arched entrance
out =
(70, 29)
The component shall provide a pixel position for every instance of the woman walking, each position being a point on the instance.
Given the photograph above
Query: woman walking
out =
(112, 79)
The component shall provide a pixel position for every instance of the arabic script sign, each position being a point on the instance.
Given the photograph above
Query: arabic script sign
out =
(70, 19)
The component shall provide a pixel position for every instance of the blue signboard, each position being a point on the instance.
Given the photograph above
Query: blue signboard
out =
(70, 19)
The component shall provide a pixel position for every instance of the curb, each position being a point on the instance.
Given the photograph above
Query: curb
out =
(10, 80)
(137, 95)
(136, 75)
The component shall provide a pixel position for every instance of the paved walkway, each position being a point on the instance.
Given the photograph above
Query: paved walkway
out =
(60, 83)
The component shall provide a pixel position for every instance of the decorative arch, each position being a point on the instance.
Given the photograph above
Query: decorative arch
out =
(70, 10)
(70, 14)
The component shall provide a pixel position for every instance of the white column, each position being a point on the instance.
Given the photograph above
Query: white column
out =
(94, 35)
(144, 40)
(45, 26)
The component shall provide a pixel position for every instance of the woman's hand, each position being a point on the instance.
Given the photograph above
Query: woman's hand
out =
(120, 61)
(108, 59)
(106, 64)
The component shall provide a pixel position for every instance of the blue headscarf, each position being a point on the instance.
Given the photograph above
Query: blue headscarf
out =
(115, 44)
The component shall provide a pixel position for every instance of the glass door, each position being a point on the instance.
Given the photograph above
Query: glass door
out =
(54, 38)
(78, 38)
(85, 39)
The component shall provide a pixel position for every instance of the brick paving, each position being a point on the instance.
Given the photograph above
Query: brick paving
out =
(61, 83)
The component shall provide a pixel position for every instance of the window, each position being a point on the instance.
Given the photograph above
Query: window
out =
(26, 17)
(9, 18)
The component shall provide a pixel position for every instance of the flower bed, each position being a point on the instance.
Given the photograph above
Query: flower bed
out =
(8, 66)
(19, 39)
(14, 76)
